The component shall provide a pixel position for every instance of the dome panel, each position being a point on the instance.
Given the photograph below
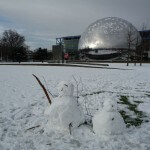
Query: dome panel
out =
(108, 33)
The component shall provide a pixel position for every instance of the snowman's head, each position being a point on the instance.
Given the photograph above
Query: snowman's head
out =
(65, 88)
(110, 105)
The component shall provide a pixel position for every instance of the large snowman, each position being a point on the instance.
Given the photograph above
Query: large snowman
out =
(64, 111)
(108, 121)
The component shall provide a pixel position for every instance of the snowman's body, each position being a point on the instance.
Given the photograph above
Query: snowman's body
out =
(108, 121)
(64, 111)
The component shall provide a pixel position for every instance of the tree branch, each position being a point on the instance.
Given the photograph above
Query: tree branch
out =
(43, 87)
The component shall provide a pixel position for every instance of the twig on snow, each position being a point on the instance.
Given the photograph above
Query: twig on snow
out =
(70, 125)
(77, 87)
(33, 127)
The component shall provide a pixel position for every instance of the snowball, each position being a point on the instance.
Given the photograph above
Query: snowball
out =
(108, 121)
(65, 89)
(110, 105)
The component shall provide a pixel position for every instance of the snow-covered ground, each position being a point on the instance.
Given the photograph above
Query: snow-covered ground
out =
(22, 106)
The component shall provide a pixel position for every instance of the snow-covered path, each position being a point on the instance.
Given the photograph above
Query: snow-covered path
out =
(22, 105)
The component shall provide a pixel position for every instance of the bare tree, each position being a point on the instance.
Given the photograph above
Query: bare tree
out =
(12, 42)
(130, 41)
(138, 41)
(12, 39)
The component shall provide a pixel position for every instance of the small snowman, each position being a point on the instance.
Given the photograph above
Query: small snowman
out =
(64, 111)
(108, 121)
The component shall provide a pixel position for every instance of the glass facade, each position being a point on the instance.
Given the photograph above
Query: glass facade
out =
(70, 43)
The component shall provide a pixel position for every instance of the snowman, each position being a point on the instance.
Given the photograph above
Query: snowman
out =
(64, 111)
(108, 121)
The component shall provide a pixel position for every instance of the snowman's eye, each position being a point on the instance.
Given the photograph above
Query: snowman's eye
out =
(112, 106)
(66, 85)
(112, 118)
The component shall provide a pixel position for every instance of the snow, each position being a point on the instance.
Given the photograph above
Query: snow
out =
(23, 103)
(145, 107)
(108, 121)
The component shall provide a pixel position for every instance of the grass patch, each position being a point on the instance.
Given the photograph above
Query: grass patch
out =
(148, 95)
(138, 120)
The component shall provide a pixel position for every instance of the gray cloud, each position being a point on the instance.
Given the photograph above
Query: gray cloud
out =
(44, 20)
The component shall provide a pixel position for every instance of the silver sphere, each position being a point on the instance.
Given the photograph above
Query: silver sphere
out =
(109, 33)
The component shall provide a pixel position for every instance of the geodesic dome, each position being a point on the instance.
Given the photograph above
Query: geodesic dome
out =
(109, 33)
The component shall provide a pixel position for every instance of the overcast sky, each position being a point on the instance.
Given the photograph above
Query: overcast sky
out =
(41, 21)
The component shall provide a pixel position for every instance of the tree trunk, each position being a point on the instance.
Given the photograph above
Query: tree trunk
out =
(128, 56)
(135, 57)
(141, 59)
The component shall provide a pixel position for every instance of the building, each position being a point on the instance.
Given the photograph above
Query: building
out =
(104, 39)
(70, 45)
(146, 43)
(57, 51)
